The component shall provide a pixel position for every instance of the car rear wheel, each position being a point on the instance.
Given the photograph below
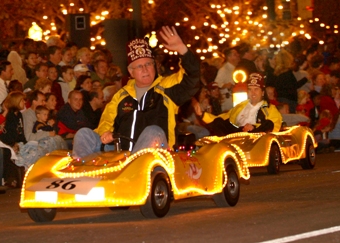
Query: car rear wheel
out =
(231, 191)
(158, 202)
(274, 160)
(42, 214)
(310, 160)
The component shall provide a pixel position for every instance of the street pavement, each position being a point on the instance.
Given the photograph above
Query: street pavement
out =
(296, 203)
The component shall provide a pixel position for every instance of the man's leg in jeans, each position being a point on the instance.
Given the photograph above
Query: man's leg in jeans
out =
(151, 137)
(85, 142)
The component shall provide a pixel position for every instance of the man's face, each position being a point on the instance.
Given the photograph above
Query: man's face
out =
(67, 57)
(143, 71)
(56, 57)
(99, 101)
(41, 100)
(255, 94)
(101, 68)
(76, 101)
(234, 57)
(8, 73)
(68, 75)
(42, 72)
(52, 74)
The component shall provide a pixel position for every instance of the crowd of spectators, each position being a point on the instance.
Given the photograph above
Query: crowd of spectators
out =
(302, 82)
(48, 91)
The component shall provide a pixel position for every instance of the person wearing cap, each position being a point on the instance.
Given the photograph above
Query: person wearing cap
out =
(214, 98)
(78, 70)
(253, 115)
(144, 110)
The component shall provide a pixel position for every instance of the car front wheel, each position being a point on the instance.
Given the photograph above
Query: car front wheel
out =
(310, 160)
(274, 160)
(42, 214)
(158, 201)
(231, 191)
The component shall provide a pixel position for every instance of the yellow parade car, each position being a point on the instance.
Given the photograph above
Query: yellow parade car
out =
(150, 178)
(294, 144)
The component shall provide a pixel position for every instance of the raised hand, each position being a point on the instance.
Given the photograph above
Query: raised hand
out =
(173, 40)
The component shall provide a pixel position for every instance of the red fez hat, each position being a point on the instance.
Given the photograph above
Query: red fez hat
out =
(138, 48)
(256, 79)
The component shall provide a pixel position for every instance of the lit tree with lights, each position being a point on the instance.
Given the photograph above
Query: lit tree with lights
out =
(208, 26)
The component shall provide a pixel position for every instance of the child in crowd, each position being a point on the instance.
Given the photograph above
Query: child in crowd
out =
(291, 119)
(271, 93)
(321, 130)
(42, 124)
(304, 103)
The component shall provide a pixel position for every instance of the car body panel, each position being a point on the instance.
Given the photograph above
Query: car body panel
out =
(124, 179)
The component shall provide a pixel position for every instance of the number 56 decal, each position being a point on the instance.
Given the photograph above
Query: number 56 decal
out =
(81, 185)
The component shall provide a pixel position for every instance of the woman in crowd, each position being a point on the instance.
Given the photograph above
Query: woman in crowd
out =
(286, 84)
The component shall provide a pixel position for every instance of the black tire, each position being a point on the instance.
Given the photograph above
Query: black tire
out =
(42, 214)
(231, 192)
(310, 160)
(274, 160)
(158, 202)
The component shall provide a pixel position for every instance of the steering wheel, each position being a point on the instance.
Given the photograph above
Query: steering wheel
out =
(117, 141)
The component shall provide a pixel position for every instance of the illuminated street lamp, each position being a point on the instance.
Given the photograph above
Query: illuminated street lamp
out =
(35, 32)
(240, 88)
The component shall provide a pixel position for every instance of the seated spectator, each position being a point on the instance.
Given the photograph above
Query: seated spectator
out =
(96, 84)
(13, 132)
(42, 123)
(6, 73)
(334, 78)
(66, 78)
(66, 57)
(44, 85)
(109, 92)
(214, 98)
(31, 61)
(56, 88)
(271, 93)
(84, 57)
(327, 103)
(15, 85)
(289, 119)
(188, 121)
(93, 109)
(304, 103)
(16, 61)
(319, 80)
(41, 70)
(36, 99)
(70, 118)
(253, 115)
(100, 72)
(78, 70)
(84, 85)
(51, 102)
(322, 127)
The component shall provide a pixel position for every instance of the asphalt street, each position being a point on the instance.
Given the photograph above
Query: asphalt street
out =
(301, 205)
